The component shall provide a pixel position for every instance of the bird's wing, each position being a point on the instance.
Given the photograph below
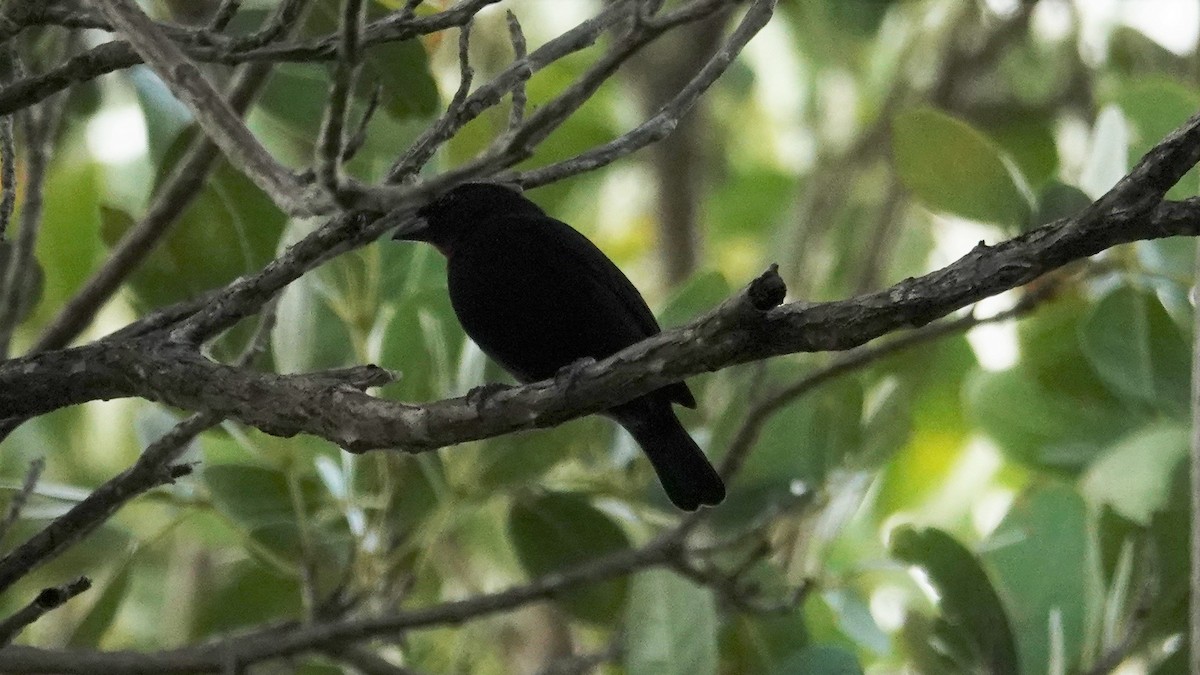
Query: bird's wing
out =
(566, 242)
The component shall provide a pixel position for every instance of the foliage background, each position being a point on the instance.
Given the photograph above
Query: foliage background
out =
(1013, 499)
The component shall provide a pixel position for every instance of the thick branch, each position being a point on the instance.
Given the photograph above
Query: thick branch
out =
(739, 331)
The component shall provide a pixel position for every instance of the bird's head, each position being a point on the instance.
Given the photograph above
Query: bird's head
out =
(463, 208)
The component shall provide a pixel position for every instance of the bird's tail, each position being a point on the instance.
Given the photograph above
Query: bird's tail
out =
(686, 476)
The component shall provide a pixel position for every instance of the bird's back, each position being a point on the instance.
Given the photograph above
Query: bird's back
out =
(536, 295)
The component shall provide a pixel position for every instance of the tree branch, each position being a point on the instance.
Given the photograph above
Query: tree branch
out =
(743, 329)
(49, 599)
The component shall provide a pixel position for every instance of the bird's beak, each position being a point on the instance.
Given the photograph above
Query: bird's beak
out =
(411, 230)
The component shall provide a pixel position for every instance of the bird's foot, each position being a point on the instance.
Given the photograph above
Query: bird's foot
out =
(568, 375)
(479, 396)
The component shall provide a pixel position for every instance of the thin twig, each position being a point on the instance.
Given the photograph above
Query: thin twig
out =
(224, 14)
(330, 143)
(664, 121)
(176, 193)
(41, 126)
(8, 174)
(17, 504)
(356, 140)
(517, 36)
(216, 48)
(49, 599)
(405, 168)
(488, 95)
(156, 466)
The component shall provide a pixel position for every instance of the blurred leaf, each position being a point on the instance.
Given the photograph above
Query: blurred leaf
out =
(803, 442)
(400, 68)
(748, 203)
(952, 167)
(1154, 107)
(230, 229)
(241, 594)
(1040, 426)
(670, 626)
(68, 243)
(854, 618)
(419, 481)
(307, 335)
(933, 377)
(423, 341)
(821, 659)
(557, 530)
(923, 639)
(1108, 153)
(1039, 557)
(858, 18)
(1134, 476)
(761, 643)
(969, 603)
(258, 500)
(518, 459)
(99, 617)
(1058, 200)
(1028, 138)
(251, 495)
(295, 95)
(166, 117)
(1138, 351)
(699, 294)
(1051, 410)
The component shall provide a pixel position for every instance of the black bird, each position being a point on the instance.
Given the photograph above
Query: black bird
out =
(536, 296)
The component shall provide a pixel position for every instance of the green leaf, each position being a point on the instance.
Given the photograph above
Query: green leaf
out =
(307, 335)
(858, 18)
(1138, 351)
(701, 293)
(670, 626)
(241, 594)
(1134, 476)
(1039, 558)
(1043, 426)
(557, 530)
(251, 495)
(1058, 200)
(803, 442)
(423, 341)
(231, 228)
(518, 459)
(100, 616)
(400, 68)
(1027, 137)
(260, 502)
(1154, 107)
(952, 167)
(969, 603)
(761, 643)
(821, 659)
(68, 245)
(1108, 153)
(750, 203)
